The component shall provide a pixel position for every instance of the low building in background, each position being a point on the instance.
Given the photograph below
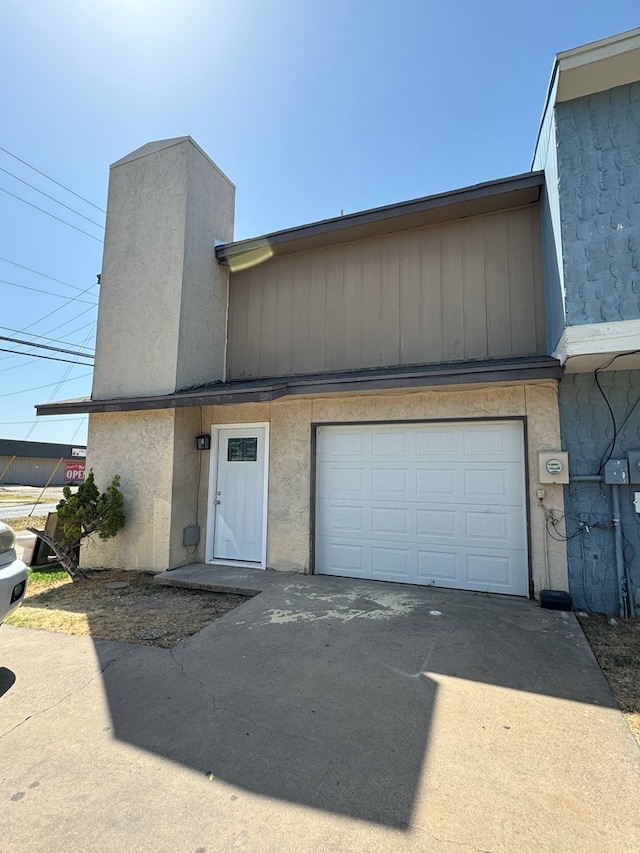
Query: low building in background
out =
(39, 463)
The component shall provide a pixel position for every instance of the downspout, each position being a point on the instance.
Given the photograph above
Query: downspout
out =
(625, 599)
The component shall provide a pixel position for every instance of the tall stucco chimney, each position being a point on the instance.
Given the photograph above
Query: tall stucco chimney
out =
(163, 297)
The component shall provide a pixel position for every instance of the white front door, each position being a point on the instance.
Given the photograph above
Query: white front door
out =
(238, 496)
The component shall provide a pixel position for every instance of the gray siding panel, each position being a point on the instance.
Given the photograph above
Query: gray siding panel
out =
(587, 430)
(599, 165)
(463, 290)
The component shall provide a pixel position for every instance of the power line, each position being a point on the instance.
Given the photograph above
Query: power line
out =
(59, 308)
(45, 346)
(45, 292)
(43, 337)
(75, 331)
(46, 212)
(46, 195)
(46, 357)
(50, 277)
(65, 418)
(49, 385)
(76, 317)
(53, 181)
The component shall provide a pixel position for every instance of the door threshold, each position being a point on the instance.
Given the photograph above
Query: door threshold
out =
(238, 564)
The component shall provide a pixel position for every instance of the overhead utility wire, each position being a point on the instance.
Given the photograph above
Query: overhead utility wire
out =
(45, 346)
(47, 292)
(46, 195)
(50, 277)
(22, 364)
(47, 357)
(59, 308)
(42, 210)
(53, 181)
(65, 418)
(50, 384)
(44, 337)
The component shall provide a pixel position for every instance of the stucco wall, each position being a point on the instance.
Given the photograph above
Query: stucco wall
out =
(189, 470)
(163, 297)
(290, 458)
(155, 455)
(587, 430)
(598, 140)
(137, 446)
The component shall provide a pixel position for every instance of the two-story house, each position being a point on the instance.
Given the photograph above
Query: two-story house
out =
(373, 396)
(374, 388)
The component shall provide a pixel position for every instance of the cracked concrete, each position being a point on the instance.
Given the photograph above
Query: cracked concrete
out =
(489, 728)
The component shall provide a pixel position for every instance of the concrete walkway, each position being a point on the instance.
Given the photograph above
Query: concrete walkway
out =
(322, 715)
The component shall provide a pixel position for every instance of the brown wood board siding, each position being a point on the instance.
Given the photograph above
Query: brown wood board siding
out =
(470, 289)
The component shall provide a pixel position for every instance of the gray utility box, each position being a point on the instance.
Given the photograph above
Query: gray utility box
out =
(616, 471)
(191, 535)
(634, 466)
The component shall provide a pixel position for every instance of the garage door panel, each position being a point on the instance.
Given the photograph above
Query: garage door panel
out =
(391, 443)
(347, 519)
(437, 522)
(435, 504)
(437, 443)
(390, 562)
(390, 520)
(344, 558)
(434, 481)
(386, 481)
(436, 566)
(342, 480)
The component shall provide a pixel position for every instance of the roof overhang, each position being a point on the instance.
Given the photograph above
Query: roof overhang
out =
(395, 379)
(600, 346)
(598, 66)
(503, 194)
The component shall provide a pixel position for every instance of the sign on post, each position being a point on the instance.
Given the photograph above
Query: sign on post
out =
(74, 472)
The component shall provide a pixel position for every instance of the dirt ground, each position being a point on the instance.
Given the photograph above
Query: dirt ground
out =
(139, 611)
(616, 646)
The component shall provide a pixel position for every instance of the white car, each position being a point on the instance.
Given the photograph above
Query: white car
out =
(13, 573)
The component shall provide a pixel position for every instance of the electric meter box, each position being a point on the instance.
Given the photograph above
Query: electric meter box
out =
(553, 466)
(634, 466)
(616, 471)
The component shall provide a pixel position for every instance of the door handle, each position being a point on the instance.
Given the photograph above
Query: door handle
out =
(217, 502)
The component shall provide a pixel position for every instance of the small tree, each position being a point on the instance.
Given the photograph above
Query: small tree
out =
(83, 515)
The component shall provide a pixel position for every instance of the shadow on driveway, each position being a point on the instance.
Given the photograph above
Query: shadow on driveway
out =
(322, 691)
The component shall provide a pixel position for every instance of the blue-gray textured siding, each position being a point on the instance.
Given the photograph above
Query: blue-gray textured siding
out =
(587, 430)
(598, 147)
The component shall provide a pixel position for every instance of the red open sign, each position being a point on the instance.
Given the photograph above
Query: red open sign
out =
(74, 472)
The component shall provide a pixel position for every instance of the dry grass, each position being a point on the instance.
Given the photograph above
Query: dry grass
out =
(617, 650)
(142, 612)
(21, 522)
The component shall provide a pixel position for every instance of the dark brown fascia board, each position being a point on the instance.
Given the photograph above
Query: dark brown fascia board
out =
(488, 197)
(263, 391)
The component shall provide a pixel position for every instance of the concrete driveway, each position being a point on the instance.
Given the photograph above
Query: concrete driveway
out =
(322, 715)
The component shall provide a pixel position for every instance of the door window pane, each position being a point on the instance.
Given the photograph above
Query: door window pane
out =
(242, 450)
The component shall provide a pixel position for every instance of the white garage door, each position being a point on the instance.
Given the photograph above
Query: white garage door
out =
(440, 504)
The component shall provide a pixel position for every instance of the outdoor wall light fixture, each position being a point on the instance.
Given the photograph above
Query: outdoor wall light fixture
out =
(203, 442)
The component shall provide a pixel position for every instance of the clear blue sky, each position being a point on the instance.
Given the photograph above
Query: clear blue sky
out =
(309, 107)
